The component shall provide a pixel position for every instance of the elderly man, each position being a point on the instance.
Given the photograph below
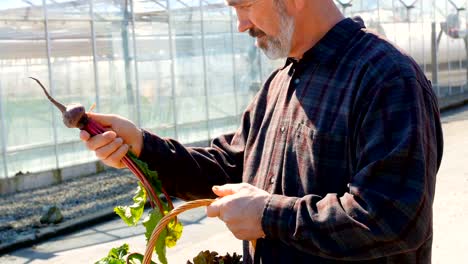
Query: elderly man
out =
(335, 160)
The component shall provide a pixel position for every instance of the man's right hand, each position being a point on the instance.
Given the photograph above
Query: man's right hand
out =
(111, 146)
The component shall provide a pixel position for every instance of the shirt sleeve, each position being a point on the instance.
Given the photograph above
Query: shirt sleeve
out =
(190, 172)
(387, 208)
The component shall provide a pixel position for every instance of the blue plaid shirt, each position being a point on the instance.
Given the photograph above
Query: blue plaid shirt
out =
(348, 140)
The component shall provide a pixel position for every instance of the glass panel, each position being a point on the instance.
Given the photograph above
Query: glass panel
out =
(154, 72)
(24, 10)
(409, 24)
(73, 78)
(248, 79)
(181, 5)
(146, 10)
(268, 65)
(189, 77)
(2, 168)
(345, 6)
(111, 9)
(219, 67)
(456, 28)
(31, 159)
(115, 68)
(68, 9)
(423, 57)
(28, 116)
(3, 173)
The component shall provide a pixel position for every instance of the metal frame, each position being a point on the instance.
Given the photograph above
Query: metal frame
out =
(205, 77)
(51, 83)
(234, 79)
(3, 137)
(171, 54)
(95, 59)
(423, 34)
(466, 52)
(435, 53)
(448, 55)
(135, 61)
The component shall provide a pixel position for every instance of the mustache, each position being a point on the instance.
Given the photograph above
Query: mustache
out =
(254, 32)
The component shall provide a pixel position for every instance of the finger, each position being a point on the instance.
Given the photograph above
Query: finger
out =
(100, 140)
(226, 189)
(238, 232)
(213, 209)
(103, 119)
(115, 159)
(106, 150)
(84, 136)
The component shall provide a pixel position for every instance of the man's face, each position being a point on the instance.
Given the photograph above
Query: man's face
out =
(268, 22)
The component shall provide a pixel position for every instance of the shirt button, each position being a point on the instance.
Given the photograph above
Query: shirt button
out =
(283, 129)
(272, 181)
(297, 81)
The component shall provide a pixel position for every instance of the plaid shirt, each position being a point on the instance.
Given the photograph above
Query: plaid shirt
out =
(348, 140)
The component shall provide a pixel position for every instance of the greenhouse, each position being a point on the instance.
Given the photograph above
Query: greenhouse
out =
(179, 68)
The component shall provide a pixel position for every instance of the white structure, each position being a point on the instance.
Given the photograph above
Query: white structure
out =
(177, 67)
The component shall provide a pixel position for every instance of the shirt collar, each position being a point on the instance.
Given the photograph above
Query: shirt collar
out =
(332, 44)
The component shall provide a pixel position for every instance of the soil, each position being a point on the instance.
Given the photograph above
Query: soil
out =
(21, 211)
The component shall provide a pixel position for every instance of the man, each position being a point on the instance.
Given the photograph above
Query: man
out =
(337, 153)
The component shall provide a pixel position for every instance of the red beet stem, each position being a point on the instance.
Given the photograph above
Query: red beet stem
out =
(153, 198)
(95, 128)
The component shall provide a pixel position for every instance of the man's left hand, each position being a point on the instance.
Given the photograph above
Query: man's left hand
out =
(241, 207)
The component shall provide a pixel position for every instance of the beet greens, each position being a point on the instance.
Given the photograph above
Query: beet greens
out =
(150, 188)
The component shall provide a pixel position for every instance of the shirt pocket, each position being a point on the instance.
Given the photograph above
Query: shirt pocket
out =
(299, 174)
(302, 138)
(320, 160)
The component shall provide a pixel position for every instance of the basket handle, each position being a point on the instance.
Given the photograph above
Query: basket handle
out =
(167, 218)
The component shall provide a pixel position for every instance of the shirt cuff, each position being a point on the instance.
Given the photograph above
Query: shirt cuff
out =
(279, 216)
(152, 148)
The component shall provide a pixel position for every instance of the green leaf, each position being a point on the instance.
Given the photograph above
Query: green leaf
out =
(174, 231)
(115, 255)
(211, 257)
(161, 246)
(108, 260)
(119, 252)
(150, 223)
(151, 176)
(136, 258)
(168, 236)
(132, 214)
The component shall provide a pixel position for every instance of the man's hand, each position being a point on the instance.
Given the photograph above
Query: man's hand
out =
(111, 146)
(241, 208)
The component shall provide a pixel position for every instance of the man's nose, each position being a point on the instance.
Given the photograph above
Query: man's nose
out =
(243, 24)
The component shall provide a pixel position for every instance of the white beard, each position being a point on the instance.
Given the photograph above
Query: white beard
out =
(279, 46)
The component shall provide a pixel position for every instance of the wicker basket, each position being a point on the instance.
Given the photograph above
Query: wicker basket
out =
(167, 218)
